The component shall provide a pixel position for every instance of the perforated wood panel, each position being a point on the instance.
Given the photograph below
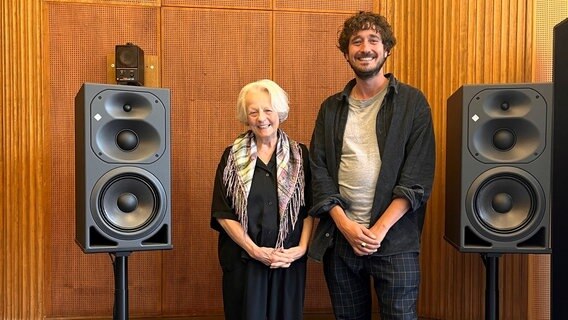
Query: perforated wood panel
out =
(309, 67)
(116, 2)
(250, 4)
(328, 5)
(80, 37)
(213, 54)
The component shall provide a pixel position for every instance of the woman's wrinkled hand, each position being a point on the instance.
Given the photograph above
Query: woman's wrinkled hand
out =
(283, 258)
(264, 255)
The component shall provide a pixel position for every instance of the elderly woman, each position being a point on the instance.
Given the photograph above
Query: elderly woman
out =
(260, 201)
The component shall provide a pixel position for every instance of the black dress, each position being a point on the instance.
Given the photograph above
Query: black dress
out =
(251, 290)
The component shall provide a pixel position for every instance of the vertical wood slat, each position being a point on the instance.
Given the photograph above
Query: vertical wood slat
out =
(483, 42)
(24, 162)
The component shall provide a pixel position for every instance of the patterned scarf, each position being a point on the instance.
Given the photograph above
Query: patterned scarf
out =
(237, 178)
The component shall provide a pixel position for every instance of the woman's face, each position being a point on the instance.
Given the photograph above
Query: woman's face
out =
(261, 117)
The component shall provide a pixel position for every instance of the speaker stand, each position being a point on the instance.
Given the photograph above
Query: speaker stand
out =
(120, 264)
(491, 262)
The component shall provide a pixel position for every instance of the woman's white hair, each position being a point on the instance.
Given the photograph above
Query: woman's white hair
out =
(278, 99)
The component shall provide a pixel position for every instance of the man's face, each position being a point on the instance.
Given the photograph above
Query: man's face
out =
(366, 54)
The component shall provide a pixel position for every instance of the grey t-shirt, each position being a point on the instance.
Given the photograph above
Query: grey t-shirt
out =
(360, 157)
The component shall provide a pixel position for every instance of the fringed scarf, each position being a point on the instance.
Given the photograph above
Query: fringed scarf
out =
(237, 178)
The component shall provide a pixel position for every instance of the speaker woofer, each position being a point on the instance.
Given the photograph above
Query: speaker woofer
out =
(505, 203)
(128, 203)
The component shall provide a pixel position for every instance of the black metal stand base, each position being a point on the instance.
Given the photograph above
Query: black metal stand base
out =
(120, 264)
(491, 262)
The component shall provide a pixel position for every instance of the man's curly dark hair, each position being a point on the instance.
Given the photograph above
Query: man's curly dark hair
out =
(365, 20)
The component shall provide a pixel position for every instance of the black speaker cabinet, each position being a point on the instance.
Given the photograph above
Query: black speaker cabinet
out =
(129, 64)
(559, 259)
(122, 168)
(498, 168)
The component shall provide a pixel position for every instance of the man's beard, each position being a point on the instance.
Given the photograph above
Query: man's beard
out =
(367, 74)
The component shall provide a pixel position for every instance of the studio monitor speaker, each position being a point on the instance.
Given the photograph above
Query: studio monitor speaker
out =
(129, 64)
(122, 168)
(498, 168)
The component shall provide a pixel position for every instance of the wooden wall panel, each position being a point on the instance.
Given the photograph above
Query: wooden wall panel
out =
(80, 38)
(321, 6)
(309, 73)
(24, 162)
(153, 3)
(205, 68)
(248, 4)
(443, 44)
(483, 42)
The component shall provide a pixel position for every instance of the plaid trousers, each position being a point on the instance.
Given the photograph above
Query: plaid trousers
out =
(348, 276)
